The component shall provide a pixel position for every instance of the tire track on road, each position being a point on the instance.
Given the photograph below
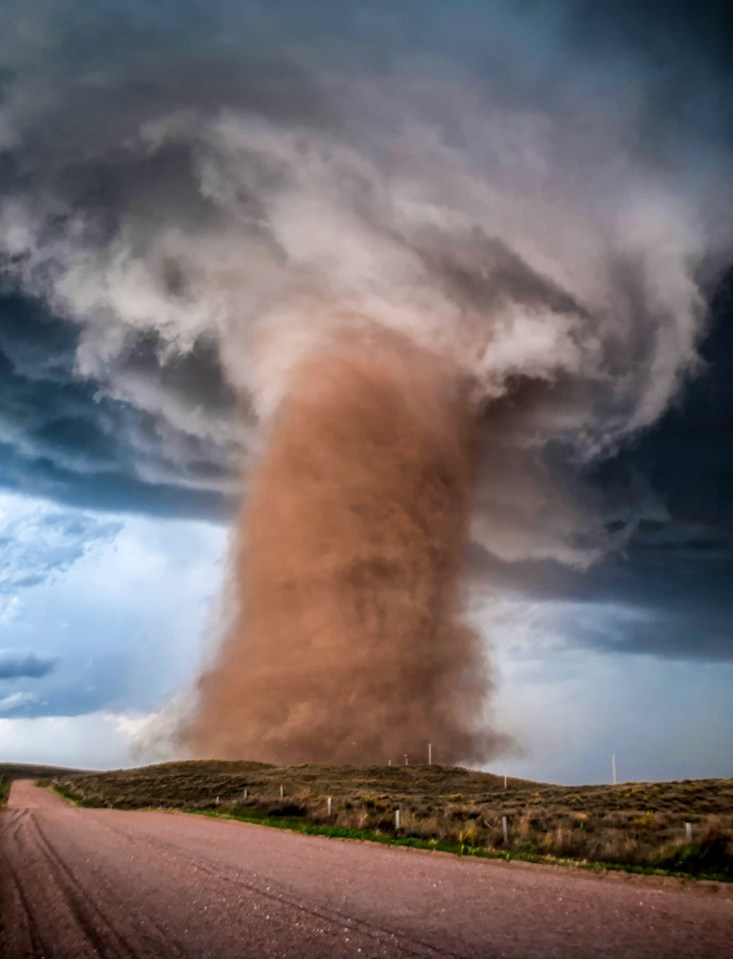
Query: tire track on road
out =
(87, 914)
(16, 907)
(59, 899)
(381, 934)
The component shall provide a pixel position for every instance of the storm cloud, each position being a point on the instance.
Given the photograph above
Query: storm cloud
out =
(63, 437)
(195, 197)
(15, 664)
(169, 206)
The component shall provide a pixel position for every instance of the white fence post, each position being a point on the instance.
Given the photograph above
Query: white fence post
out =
(688, 831)
(282, 792)
(329, 805)
(397, 819)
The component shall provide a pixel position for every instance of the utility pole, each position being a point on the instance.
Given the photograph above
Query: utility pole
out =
(613, 768)
(430, 754)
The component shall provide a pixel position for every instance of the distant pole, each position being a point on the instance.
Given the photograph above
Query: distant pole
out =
(613, 768)
(282, 792)
(397, 819)
(688, 831)
(244, 795)
(217, 800)
(328, 805)
(504, 780)
(505, 829)
(430, 754)
(407, 763)
(389, 762)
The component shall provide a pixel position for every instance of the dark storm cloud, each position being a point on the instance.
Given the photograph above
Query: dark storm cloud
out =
(673, 603)
(154, 430)
(668, 498)
(686, 460)
(667, 590)
(15, 664)
(63, 438)
(671, 37)
(670, 494)
(151, 427)
(102, 406)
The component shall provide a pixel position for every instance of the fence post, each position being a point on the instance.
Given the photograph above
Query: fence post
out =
(329, 805)
(688, 831)
(505, 829)
(397, 819)
(282, 792)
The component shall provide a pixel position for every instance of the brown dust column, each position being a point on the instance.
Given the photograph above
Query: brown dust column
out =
(346, 645)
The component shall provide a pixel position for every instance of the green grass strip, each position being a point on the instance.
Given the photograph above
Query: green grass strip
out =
(4, 791)
(457, 849)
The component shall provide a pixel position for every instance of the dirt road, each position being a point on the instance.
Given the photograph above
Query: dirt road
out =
(77, 883)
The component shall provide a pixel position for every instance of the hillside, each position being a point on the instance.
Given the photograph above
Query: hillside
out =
(35, 771)
(200, 782)
(632, 824)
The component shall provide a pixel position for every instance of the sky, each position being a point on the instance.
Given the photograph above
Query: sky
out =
(178, 181)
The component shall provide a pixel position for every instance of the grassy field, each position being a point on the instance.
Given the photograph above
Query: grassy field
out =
(633, 825)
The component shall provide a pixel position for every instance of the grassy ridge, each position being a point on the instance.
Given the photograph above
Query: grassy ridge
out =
(639, 826)
(38, 771)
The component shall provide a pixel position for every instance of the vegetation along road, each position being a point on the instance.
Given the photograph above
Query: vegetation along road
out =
(79, 882)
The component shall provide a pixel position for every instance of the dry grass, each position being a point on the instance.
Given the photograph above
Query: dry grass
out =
(10, 771)
(633, 824)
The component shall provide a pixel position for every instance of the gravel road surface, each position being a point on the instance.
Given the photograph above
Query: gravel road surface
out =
(78, 883)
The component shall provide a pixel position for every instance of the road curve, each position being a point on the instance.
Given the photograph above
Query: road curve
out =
(78, 883)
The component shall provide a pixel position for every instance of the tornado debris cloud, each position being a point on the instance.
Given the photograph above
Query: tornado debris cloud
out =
(347, 645)
(207, 218)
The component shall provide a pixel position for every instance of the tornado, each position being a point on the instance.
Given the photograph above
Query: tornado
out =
(347, 643)
(386, 308)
